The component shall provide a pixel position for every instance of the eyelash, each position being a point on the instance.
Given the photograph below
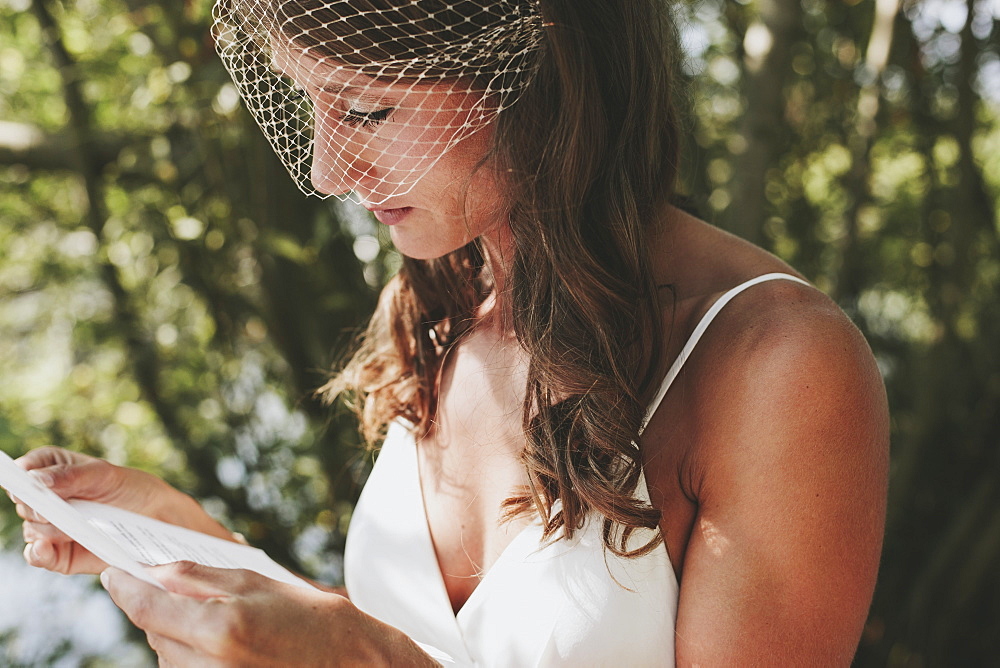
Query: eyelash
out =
(364, 119)
(367, 119)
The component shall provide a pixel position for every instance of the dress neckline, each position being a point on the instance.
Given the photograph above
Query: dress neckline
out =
(516, 543)
(425, 530)
(527, 541)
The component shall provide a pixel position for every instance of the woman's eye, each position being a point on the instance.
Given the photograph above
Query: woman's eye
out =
(367, 119)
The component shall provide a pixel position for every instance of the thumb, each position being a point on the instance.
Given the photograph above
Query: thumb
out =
(89, 479)
(69, 474)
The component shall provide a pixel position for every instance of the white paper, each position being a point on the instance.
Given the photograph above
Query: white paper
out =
(130, 541)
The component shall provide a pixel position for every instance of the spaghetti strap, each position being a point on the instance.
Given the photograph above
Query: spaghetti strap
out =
(696, 335)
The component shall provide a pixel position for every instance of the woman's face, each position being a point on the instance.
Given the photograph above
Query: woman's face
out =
(411, 154)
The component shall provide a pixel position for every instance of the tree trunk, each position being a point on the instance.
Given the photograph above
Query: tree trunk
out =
(767, 69)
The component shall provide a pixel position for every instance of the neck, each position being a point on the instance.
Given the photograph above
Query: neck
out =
(498, 247)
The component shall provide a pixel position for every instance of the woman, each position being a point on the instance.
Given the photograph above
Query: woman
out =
(578, 469)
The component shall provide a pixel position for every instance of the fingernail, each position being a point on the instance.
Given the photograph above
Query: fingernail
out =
(105, 579)
(43, 477)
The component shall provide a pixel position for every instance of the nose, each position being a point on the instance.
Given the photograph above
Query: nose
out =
(339, 164)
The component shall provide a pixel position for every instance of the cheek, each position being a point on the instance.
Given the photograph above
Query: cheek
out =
(434, 133)
(479, 207)
(481, 191)
(393, 145)
(488, 189)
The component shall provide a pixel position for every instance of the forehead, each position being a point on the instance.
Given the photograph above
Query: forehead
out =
(317, 72)
(442, 104)
(304, 68)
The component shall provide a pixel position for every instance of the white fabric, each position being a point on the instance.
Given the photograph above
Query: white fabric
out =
(564, 603)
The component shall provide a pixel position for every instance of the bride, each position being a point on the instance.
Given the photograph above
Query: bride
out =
(611, 434)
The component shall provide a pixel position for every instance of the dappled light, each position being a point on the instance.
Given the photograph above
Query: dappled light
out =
(714, 539)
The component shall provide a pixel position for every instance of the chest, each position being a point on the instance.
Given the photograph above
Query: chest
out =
(559, 603)
(470, 463)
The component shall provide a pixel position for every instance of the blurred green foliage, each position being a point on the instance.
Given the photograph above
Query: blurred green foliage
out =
(183, 327)
(168, 300)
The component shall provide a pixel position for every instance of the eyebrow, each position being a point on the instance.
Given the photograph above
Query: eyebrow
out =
(360, 93)
(340, 89)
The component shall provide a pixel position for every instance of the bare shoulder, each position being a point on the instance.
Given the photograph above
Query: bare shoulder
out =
(787, 355)
(777, 432)
(783, 376)
(789, 469)
(777, 346)
(777, 341)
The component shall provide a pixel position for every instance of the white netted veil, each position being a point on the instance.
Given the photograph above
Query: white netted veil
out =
(367, 95)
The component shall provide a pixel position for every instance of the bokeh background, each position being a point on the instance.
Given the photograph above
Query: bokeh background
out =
(168, 300)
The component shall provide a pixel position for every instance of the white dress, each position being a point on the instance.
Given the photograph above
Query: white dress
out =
(561, 603)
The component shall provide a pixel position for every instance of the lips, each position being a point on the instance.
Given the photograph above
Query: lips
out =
(391, 216)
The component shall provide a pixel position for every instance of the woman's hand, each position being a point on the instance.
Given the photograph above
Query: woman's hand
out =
(221, 617)
(72, 475)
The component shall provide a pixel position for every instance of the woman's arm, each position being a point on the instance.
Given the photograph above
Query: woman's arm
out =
(790, 476)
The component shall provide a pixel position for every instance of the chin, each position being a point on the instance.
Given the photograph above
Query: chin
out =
(425, 249)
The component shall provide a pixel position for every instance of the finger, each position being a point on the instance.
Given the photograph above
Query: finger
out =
(162, 613)
(211, 625)
(171, 653)
(27, 514)
(39, 554)
(198, 581)
(58, 554)
(32, 531)
(47, 456)
(70, 474)
(87, 479)
(66, 558)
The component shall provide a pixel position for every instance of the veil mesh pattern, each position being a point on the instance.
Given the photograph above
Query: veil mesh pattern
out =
(365, 96)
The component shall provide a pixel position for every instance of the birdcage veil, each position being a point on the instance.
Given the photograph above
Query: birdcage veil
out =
(367, 95)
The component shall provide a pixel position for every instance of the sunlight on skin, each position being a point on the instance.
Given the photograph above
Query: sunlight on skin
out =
(425, 120)
(716, 542)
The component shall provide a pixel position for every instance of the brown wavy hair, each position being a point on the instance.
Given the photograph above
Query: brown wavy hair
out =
(591, 149)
